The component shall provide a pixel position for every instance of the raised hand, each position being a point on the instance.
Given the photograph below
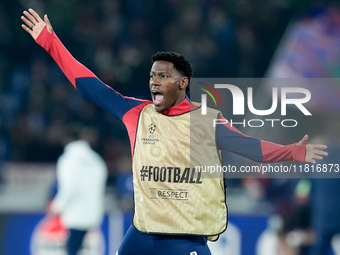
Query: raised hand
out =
(34, 24)
(313, 151)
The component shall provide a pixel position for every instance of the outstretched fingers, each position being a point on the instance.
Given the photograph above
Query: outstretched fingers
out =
(35, 15)
(315, 152)
(33, 24)
(320, 146)
(319, 149)
(28, 22)
(28, 25)
(30, 18)
(318, 156)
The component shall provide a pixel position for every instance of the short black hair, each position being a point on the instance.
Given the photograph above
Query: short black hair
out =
(180, 62)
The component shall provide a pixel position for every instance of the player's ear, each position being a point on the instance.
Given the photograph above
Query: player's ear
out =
(184, 82)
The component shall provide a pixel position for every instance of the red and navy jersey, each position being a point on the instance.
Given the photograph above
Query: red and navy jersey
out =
(127, 109)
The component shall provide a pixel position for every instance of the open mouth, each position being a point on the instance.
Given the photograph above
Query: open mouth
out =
(157, 97)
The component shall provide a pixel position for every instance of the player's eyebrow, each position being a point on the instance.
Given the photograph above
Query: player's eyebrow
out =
(160, 72)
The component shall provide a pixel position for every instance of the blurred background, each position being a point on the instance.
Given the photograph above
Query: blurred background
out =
(115, 39)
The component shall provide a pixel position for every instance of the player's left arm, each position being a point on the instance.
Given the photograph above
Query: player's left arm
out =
(231, 139)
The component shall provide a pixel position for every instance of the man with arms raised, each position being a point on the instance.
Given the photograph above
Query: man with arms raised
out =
(176, 209)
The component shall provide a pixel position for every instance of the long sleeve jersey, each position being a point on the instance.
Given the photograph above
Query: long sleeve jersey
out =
(127, 109)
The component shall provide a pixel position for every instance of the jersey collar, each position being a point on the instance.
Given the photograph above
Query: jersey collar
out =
(183, 107)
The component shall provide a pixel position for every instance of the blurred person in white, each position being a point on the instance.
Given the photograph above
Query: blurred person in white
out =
(81, 176)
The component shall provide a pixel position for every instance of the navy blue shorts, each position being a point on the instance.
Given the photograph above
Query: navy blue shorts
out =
(138, 243)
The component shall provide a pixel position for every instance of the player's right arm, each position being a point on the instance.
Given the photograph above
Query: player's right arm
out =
(81, 77)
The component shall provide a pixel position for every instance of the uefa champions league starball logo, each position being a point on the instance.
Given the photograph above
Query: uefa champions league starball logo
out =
(152, 128)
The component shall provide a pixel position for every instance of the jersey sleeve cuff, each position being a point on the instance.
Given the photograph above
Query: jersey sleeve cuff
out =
(299, 152)
(45, 39)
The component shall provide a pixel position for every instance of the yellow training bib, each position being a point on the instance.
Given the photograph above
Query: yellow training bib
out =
(172, 195)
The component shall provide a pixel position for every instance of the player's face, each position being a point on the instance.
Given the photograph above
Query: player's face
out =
(167, 85)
